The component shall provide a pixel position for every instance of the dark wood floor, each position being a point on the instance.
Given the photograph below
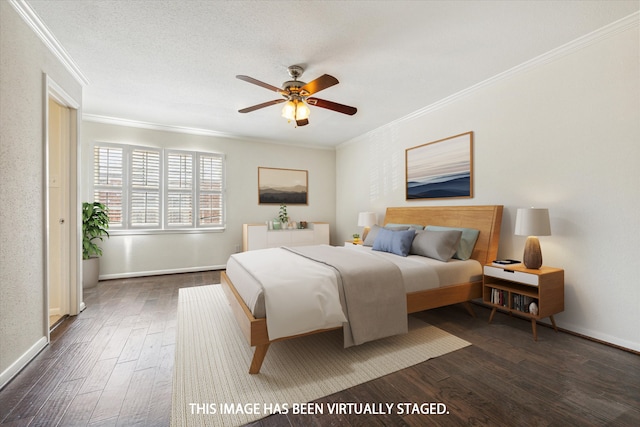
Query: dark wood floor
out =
(112, 365)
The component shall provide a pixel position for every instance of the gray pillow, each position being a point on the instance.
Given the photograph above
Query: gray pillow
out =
(440, 245)
(373, 232)
(467, 241)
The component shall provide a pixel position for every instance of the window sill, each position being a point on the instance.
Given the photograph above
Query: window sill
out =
(134, 232)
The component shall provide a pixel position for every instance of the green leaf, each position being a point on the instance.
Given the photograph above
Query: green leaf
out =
(95, 225)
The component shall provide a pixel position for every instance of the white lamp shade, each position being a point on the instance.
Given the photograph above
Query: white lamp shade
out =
(302, 111)
(295, 110)
(532, 222)
(367, 219)
(289, 110)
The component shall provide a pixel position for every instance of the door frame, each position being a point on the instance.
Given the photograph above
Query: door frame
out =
(54, 91)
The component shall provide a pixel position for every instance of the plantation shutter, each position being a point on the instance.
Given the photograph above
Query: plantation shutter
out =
(108, 171)
(180, 189)
(153, 189)
(210, 190)
(145, 188)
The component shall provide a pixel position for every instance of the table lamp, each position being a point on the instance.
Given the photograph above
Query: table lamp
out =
(366, 220)
(532, 222)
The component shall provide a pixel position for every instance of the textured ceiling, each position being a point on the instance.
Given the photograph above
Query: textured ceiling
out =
(174, 62)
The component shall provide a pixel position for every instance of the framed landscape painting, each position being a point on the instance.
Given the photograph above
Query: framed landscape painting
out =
(288, 186)
(440, 169)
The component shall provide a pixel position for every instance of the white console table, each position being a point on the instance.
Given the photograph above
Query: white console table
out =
(258, 236)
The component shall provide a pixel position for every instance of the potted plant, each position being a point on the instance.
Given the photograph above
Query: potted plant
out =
(356, 238)
(95, 223)
(283, 216)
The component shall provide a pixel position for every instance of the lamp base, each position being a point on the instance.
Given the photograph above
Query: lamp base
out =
(532, 254)
(365, 231)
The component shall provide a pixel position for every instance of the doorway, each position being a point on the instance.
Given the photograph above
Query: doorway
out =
(58, 184)
(62, 288)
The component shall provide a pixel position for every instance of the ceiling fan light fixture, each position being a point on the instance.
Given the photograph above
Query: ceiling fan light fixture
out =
(295, 110)
(296, 96)
(289, 110)
(302, 112)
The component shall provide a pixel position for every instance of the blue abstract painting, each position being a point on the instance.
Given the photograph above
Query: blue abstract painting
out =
(440, 169)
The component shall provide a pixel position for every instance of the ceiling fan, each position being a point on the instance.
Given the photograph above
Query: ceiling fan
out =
(297, 94)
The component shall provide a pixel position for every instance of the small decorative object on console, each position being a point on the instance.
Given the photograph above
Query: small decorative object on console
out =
(283, 216)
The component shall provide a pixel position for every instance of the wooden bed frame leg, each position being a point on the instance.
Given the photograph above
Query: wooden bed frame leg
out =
(469, 308)
(258, 358)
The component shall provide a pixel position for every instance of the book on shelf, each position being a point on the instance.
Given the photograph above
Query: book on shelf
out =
(521, 302)
(499, 297)
(505, 262)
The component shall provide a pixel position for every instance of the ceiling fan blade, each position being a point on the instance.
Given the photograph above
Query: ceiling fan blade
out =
(321, 83)
(303, 122)
(329, 105)
(259, 106)
(261, 84)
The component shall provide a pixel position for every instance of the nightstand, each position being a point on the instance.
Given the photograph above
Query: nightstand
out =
(352, 243)
(514, 288)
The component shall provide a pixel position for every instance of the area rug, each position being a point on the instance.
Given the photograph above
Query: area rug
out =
(212, 386)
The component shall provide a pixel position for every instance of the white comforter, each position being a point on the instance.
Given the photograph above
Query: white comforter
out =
(316, 305)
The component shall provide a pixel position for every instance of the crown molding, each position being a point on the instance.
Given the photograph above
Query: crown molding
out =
(154, 126)
(596, 36)
(190, 131)
(553, 55)
(35, 23)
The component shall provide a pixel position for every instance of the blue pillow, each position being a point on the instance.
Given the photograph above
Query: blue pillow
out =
(373, 233)
(467, 241)
(394, 241)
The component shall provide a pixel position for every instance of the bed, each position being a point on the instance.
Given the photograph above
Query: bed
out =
(486, 219)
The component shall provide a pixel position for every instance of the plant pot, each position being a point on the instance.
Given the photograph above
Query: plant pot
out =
(90, 272)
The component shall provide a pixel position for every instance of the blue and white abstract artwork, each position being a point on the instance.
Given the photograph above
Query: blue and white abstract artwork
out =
(440, 169)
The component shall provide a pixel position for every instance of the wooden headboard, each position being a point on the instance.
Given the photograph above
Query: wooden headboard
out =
(487, 219)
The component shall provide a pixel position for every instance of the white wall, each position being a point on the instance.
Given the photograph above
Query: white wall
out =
(24, 59)
(130, 255)
(563, 135)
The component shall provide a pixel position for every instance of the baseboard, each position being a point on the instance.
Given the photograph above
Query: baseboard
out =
(54, 311)
(606, 340)
(22, 361)
(161, 272)
(588, 335)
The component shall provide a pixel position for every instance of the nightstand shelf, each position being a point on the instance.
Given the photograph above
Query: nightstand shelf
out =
(514, 288)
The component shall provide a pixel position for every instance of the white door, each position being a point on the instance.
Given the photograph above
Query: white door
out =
(62, 239)
(58, 187)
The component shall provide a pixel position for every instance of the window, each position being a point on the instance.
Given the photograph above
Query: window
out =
(145, 188)
(179, 189)
(210, 189)
(108, 171)
(149, 188)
